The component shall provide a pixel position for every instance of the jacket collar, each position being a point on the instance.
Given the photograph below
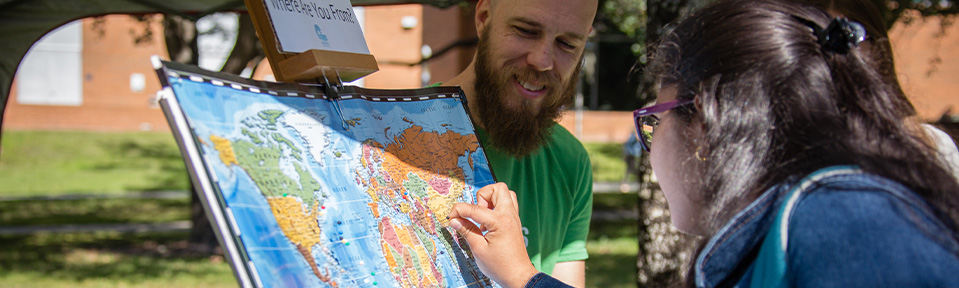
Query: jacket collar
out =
(725, 251)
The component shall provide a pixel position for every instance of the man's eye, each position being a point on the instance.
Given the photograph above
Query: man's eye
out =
(566, 45)
(524, 31)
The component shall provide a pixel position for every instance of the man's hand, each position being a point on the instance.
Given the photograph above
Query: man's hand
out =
(500, 254)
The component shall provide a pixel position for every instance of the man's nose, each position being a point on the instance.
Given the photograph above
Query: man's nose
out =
(541, 56)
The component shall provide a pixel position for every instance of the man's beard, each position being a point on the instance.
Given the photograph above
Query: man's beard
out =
(517, 131)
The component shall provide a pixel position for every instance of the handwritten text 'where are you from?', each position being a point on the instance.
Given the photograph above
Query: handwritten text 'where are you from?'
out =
(313, 10)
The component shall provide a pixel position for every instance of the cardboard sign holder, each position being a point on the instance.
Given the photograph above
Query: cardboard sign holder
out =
(312, 66)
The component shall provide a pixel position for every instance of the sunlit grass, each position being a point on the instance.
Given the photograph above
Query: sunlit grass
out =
(607, 161)
(34, 163)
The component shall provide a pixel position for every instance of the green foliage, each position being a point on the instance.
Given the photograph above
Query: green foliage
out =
(893, 9)
(51, 163)
(629, 16)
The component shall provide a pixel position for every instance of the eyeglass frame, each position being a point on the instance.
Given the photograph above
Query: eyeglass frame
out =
(639, 114)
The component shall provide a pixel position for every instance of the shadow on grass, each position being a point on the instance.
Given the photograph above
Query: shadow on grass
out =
(613, 228)
(612, 243)
(168, 171)
(93, 211)
(109, 258)
(611, 270)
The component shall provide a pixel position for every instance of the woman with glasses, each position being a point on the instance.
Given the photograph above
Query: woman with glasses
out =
(775, 140)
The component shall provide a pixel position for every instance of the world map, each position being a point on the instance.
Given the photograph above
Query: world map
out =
(351, 191)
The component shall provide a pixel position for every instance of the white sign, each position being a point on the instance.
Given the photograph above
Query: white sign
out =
(329, 25)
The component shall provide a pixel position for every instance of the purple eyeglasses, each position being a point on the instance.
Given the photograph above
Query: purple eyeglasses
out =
(646, 120)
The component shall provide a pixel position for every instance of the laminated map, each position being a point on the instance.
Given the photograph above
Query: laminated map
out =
(318, 186)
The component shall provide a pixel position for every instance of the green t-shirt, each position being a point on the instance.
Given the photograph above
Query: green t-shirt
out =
(554, 188)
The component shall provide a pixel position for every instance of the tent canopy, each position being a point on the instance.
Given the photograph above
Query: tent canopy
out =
(23, 22)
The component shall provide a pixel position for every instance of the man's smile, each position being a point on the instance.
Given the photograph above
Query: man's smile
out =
(531, 89)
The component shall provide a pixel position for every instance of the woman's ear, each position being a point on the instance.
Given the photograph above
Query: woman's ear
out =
(697, 127)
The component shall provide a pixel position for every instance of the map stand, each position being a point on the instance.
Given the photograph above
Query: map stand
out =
(311, 65)
(324, 67)
(319, 64)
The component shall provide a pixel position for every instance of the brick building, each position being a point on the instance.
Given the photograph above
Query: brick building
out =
(92, 76)
(114, 84)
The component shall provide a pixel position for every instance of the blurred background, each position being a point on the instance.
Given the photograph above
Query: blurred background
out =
(94, 193)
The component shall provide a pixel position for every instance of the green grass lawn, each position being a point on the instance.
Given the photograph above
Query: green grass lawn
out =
(612, 244)
(34, 163)
(607, 160)
(164, 259)
(58, 163)
(612, 262)
(108, 260)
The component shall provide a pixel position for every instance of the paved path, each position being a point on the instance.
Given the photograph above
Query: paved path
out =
(177, 226)
(120, 195)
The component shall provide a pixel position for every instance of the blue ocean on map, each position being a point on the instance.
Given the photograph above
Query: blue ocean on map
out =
(346, 193)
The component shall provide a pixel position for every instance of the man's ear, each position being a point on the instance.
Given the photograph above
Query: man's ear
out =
(482, 16)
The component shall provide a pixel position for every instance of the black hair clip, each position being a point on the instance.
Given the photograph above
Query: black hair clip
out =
(840, 36)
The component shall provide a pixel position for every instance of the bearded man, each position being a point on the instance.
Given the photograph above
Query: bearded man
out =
(523, 74)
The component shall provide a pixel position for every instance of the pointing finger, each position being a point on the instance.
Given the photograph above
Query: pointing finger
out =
(479, 214)
(472, 234)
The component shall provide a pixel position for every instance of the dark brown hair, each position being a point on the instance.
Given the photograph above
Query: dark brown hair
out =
(776, 106)
(880, 49)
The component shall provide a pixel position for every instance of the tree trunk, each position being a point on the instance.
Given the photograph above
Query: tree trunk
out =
(180, 35)
(658, 260)
(201, 233)
(247, 50)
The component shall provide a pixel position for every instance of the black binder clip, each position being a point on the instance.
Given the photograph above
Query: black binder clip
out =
(332, 91)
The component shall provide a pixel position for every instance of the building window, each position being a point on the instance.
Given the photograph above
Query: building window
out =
(51, 72)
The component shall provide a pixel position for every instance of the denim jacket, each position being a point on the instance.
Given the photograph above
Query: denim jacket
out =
(852, 230)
